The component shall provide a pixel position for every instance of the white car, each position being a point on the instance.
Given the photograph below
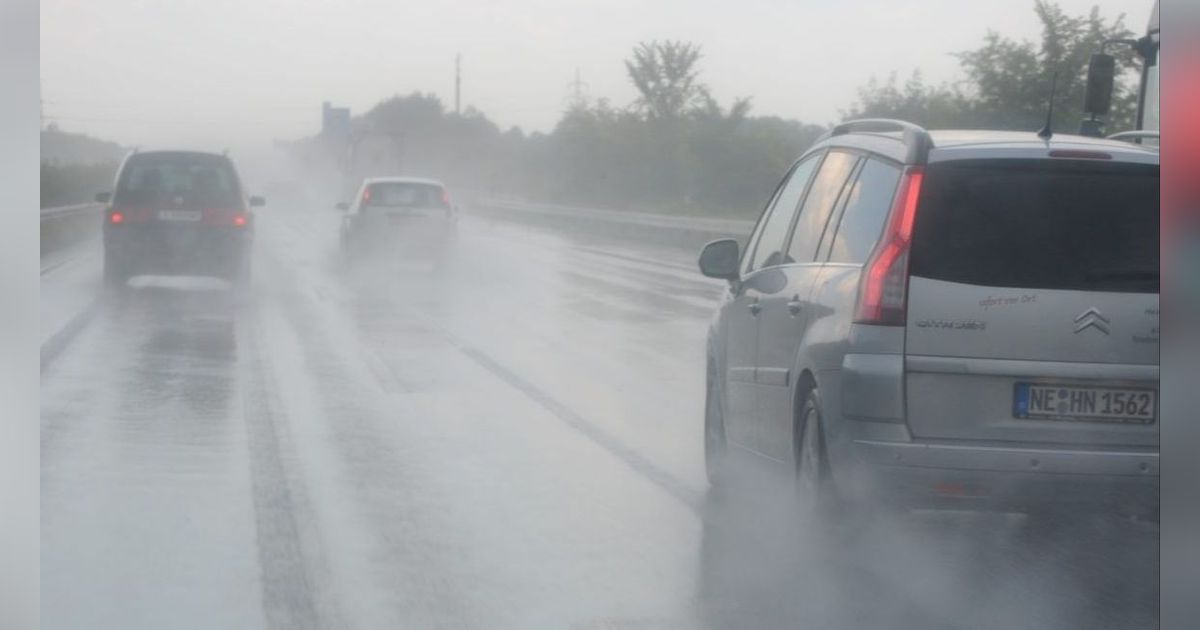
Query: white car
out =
(398, 217)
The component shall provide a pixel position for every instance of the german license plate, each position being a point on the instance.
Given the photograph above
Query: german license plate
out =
(1072, 402)
(179, 215)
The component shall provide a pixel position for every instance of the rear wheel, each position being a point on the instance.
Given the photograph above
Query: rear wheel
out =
(815, 494)
(115, 275)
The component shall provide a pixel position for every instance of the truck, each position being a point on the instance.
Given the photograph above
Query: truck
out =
(1099, 92)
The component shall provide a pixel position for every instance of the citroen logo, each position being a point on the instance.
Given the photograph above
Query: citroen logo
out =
(1091, 318)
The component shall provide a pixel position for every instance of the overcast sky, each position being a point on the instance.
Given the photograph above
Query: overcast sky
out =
(209, 73)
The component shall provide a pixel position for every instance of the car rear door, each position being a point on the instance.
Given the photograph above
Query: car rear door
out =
(786, 308)
(1033, 303)
(741, 313)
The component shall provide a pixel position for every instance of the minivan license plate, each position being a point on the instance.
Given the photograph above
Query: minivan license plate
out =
(1071, 402)
(178, 215)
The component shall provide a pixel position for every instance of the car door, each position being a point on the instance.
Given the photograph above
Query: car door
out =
(785, 306)
(742, 310)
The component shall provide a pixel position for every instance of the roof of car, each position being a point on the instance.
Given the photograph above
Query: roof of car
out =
(890, 143)
(402, 180)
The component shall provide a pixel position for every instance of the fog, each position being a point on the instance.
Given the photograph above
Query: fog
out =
(473, 393)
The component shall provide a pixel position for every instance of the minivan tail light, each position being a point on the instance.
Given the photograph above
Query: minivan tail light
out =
(883, 289)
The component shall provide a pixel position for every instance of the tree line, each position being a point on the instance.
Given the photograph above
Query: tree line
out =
(676, 148)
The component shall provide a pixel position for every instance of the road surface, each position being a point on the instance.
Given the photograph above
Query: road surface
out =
(512, 441)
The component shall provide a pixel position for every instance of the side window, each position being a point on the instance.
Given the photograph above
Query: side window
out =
(768, 246)
(866, 210)
(824, 193)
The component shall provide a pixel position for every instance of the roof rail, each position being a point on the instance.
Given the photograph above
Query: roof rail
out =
(1135, 135)
(915, 137)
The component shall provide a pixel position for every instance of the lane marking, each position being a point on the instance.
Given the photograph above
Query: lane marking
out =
(675, 487)
(53, 347)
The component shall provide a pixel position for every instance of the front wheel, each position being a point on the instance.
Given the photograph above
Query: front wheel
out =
(715, 445)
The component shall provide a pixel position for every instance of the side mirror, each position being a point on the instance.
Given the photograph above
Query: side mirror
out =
(719, 259)
(103, 197)
(342, 205)
(257, 202)
(1097, 99)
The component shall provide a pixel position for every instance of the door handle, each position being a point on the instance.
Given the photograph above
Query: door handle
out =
(795, 305)
(754, 307)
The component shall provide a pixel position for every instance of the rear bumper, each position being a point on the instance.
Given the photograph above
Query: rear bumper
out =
(1004, 477)
(146, 250)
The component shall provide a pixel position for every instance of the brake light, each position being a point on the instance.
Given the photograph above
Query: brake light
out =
(239, 219)
(883, 289)
(116, 217)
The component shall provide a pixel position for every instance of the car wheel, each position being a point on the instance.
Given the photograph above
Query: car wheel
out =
(814, 493)
(715, 445)
(115, 276)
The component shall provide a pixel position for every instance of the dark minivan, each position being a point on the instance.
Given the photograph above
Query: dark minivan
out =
(177, 213)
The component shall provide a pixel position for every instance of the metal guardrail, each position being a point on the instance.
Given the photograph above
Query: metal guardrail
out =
(699, 225)
(64, 227)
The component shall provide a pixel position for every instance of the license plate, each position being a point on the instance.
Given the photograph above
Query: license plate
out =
(178, 215)
(1072, 402)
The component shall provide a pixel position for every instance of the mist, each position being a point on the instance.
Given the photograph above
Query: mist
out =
(328, 344)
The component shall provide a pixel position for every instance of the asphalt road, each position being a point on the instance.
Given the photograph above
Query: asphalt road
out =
(510, 441)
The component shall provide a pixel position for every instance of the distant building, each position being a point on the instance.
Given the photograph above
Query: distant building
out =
(335, 121)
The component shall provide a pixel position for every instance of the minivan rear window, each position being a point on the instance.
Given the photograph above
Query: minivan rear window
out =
(1039, 224)
(154, 179)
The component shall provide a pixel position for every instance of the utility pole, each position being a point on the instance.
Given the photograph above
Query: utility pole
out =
(578, 96)
(457, 83)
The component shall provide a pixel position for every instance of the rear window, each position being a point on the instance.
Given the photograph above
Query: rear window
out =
(188, 179)
(1039, 224)
(405, 195)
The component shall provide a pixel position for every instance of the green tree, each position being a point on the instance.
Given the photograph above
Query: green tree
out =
(1006, 83)
(666, 78)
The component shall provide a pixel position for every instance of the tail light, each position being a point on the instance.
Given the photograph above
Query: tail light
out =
(116, 217)
(445, 198)
(883, 290)
(236, 218)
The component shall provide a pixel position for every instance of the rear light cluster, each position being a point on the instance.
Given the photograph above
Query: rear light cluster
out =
(235, 218)
(883, 290)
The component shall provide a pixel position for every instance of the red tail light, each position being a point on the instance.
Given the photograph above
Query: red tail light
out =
(883, 290)
(239, 219)
(116, 217)
(445, 198)
(366, 196)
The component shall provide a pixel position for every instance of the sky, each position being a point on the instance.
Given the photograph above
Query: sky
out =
(220, 73)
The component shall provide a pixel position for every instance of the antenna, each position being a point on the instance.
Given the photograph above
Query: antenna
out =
(1046, 132)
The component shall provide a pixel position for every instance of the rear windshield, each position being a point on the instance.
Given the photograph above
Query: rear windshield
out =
(187, 179)
(405, 195)
(1072, 225)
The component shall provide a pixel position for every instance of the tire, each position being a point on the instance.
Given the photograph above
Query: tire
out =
(815, 494)
(115, 275)
(715, 444)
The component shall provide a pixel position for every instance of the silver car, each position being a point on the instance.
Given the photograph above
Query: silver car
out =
(947, 318)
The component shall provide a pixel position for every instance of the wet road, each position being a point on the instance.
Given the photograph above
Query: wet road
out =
(513, 441)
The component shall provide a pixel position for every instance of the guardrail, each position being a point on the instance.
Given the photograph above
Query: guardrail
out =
(67, 226)
(667, 229)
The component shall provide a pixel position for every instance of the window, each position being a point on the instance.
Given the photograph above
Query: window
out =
(404, 195)
(864, 212)
(822, 195)
(1039, 224)
(155, 179)
(768, 246)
